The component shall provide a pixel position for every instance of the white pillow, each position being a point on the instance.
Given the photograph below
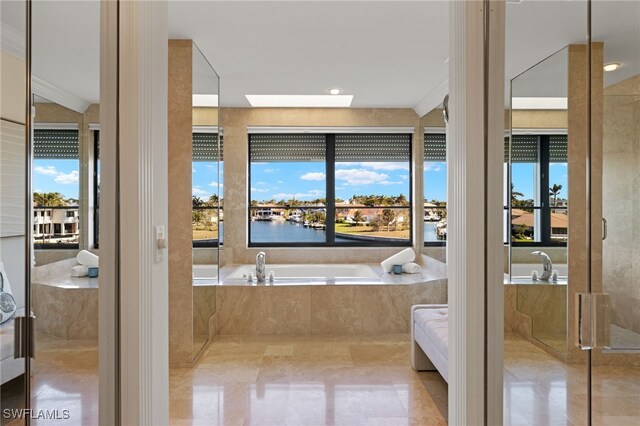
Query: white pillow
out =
(8, 305)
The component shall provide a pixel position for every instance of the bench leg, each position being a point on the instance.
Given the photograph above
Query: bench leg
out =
(419, 360)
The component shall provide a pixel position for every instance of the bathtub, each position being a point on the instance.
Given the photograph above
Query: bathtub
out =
(521, 273)
(307, 271)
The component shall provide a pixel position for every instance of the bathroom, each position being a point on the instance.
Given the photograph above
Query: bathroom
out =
(325, 218)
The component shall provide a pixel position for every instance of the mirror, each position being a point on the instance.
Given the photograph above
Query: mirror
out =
(537, 188)
(207, 215)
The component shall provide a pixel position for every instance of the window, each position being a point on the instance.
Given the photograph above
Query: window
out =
(207, 192)
(330, 190)
(56, 188)
(538, 189)
(435, 189)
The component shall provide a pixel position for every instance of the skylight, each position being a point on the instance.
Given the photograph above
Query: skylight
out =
(300, 101)
(205, 100)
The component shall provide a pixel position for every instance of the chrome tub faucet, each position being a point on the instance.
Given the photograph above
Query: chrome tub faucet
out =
(547, 266)
(261, 267)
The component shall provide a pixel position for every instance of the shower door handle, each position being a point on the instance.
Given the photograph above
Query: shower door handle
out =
(22, 347)
(593, 321)
(604, 229)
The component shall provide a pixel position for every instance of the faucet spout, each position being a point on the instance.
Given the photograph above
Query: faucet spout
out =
(261, 267)
(547, 266)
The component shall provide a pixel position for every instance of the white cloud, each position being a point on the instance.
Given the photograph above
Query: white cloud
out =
(270, 170)
(214, 183)
(361, 177)
(432, 168)
(280, 181)
(67, 178)
(314, 193)
(259, 189)
(198, 192)
(261, 183)
(313, 176)
(404, 177)
(49, 170)
(193, 170)
(383, 165)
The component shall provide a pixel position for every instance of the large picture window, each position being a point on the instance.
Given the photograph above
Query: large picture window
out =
(207, 193)
(538, 189)
(330, 190)
(56, 220)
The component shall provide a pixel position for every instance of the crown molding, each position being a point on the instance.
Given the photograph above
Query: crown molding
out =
(55, 94)
(433, 99)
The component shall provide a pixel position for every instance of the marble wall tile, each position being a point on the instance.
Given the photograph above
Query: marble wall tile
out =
(263, 310)
(179, 227)
(204, 307)
(70, 314)
(322, 309)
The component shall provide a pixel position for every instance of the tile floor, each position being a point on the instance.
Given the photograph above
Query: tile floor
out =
(346, 380)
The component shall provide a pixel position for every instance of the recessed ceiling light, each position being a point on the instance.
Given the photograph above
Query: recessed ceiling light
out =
(205, 100)
(334, 91)
(300, 101)
(612, 66)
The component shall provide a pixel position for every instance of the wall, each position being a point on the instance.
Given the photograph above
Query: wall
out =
(179, 226)
(621, 201)
(235, 122)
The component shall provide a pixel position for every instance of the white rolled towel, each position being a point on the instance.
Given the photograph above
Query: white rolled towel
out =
(411, 268)
(88, 259)
(79, 271)
(405, 256)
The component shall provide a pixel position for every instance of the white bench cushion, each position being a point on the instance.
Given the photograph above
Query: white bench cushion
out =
(434, 324)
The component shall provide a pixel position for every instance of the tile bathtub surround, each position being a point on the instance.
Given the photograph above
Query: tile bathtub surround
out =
(321, 309)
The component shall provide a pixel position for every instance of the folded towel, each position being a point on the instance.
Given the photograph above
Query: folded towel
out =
(88, 259)
(79, 271)
(405, 256)
(411, 268)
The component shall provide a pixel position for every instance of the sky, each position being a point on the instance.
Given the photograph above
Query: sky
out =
(205, 179)
(56, 176)
(307, 180)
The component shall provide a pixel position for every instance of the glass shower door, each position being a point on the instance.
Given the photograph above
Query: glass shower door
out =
(615, 117)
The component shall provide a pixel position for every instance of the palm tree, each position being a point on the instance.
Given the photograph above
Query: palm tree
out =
(515, 194)
(555, 190)
(50, 199)
(196, 201)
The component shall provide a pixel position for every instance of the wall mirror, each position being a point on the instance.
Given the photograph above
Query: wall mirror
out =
(207, 214)
(537, 196)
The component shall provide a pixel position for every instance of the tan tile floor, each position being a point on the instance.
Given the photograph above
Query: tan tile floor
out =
(318, 380)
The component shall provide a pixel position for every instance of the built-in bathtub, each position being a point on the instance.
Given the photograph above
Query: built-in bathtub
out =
(323, 298)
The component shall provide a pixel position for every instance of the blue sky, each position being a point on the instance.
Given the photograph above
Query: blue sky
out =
(307, 180)
(56, 176)
(205, 179)
(524, 178)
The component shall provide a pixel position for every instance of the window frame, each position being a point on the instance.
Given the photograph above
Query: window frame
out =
(330, 207)
(58, 246)
(545, 207)
(437, 131)
(219, 132)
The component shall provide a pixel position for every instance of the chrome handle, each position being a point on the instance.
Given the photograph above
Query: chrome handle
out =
(20, 345)
(604, 229)
(593, 319)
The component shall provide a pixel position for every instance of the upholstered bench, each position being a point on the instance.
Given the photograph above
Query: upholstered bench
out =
(430, 338)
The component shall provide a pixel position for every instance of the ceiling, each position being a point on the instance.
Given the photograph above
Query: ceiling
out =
(387, 54)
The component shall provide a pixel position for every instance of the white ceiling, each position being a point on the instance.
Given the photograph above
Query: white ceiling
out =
(386, 54)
